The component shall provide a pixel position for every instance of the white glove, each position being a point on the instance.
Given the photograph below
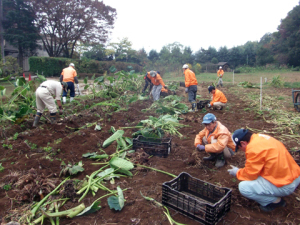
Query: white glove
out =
(186, 90)
(233, 170)
(208, 105)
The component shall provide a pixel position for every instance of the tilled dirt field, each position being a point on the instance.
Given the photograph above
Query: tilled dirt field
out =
(22, 157)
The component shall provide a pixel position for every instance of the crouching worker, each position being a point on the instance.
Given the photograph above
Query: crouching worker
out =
(218, 99)
(44, 99)
(270, 171)
(158, 85)
(214, 139)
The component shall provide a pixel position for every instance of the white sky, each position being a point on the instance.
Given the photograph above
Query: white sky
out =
(152, 24)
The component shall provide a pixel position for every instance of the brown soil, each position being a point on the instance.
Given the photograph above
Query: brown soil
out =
(137, 210)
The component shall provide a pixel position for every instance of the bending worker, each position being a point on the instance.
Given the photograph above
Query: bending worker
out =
(158, 85)
(190, 85)
(44, 99)
(214, 139)
(147, 79)
(220, 74)
(270, 171)
(69, 75)
(218, 99)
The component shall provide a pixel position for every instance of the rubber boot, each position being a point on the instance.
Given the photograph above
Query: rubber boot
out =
(64, 100)
(71, 99)
(37, 119)
(53, 118)
(220, 160)
(194, 107)
(212, 157)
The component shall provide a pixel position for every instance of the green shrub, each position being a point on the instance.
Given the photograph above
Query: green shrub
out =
(53, 66)
(237, 71)
(296, 68)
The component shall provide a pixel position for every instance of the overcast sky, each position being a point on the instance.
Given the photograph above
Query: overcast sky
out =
(196, 23)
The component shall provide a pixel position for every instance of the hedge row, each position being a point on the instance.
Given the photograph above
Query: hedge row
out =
(49, 66)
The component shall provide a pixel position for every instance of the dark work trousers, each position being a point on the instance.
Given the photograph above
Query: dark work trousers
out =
(71, 88)
(147, 82)
(192, 91)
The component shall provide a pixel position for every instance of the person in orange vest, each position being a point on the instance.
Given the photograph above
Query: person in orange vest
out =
(270, 171)
(218, 99)
(190, 86)
(214, 139)
(158, 85)
(148, 82)
(220, 74)
(69, 75)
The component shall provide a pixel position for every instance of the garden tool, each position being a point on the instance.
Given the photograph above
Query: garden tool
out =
(79, 93)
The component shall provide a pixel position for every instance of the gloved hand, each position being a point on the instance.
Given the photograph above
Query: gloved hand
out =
(166, 87)
(200, 147)
(78, 86)
(61, 112)
(208, 105)
(186, 90)
(233, 170)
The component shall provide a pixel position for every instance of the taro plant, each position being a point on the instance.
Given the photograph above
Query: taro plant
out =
(94, 87)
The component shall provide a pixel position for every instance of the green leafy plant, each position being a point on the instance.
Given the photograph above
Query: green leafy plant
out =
(1, 167)
(71, 169)
(7, 187)
(116, 202)
(15, 137)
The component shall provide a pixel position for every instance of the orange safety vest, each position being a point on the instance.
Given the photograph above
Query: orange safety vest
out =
(221, 134)
(218, 96)
(68, 74)
(268, 158)
(190, 78)
(220, 73)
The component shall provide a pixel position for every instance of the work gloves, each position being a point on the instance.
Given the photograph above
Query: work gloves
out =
(186, 90)
(201, 147)
(208, 105)
(165, 87)
(233, 170)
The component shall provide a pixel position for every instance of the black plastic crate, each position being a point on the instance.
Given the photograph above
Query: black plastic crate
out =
(202, 104)
(197, 199)
(153, 146)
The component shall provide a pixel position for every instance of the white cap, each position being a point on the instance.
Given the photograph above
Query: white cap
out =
(220, 67)
(72, 64)
(185, 66)
(152, 73)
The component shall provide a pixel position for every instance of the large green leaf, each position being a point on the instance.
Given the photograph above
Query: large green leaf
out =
(92, 208)
(117, 162)
(112, 138)
(116, 203)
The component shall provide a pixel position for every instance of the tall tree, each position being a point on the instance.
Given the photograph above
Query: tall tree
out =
(289, 36)
(121, 49)
(153, 55)
(63, 23)
(19, 29)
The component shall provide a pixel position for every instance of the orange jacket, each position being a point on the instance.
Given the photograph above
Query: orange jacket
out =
(148, 76)
(218, 96)
(68, 74)
(190, 78)
(268, 158)
(157, 80)
(221, 134)
(220, 73)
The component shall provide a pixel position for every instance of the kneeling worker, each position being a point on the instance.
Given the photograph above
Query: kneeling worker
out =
(44, 99)
(158, 85)
(218, 99)
(215, 139)
(270, 171)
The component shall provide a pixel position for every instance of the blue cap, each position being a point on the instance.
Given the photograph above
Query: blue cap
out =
(208, 118)
(237, 136)
(210, 88)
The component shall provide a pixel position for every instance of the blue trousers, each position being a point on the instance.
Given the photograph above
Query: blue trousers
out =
(71, 87)
(264, 192)
(192, 91)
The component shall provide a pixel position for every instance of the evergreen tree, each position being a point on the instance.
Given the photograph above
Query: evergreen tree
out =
(19, 29)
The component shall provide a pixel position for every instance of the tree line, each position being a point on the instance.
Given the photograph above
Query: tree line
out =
(80, 28)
